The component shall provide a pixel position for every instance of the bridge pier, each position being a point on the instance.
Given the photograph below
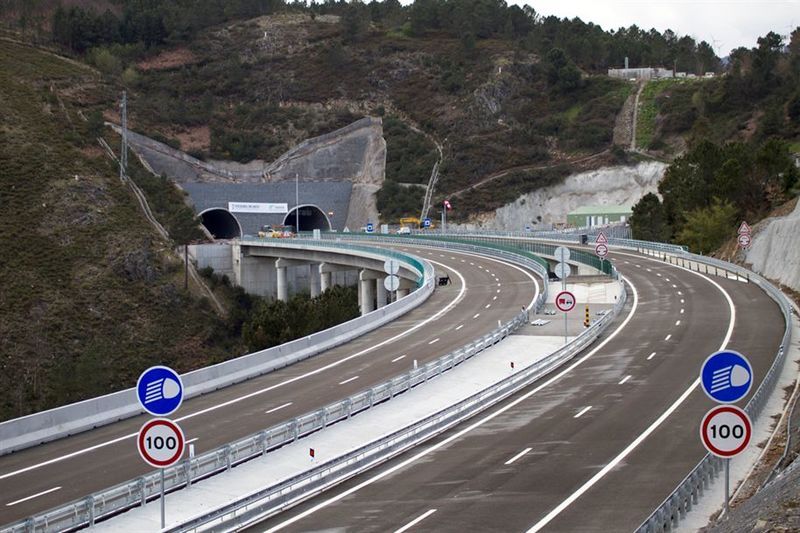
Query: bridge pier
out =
(366, 289)
(325, 274)
(282, 283)
(382, 295)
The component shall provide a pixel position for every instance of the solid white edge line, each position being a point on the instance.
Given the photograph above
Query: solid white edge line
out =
(582, 411)
(348, 380)
(520, 454)
(48, 491)
(416, 521)
(278, 408)
(672, 408)
(459, 434)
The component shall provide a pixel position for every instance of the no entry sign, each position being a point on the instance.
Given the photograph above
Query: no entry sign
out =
(726, 431)
(161, 442)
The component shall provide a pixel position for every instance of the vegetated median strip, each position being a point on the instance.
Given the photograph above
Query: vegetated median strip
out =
(469, 428)
(638, 440)
(334, 364)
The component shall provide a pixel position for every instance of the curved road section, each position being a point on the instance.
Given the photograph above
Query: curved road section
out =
(594, 447)
(484, 291)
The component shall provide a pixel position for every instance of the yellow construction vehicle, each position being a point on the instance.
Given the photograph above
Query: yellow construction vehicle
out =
(410, 222)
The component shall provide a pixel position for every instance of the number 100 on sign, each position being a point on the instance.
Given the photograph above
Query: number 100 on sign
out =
(161, 442)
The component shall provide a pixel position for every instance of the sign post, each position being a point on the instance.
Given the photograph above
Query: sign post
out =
(726, 377)
(565, 301)
(161, 444)
(601, 247)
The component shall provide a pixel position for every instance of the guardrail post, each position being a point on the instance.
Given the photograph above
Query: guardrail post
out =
(140, 487)
(371, 397)
(348, 404)
(90, 509)
(187, 470)
(262, 442)
(227, 452)
(295, 429)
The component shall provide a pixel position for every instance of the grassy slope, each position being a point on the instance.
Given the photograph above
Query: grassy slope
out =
(88, 296)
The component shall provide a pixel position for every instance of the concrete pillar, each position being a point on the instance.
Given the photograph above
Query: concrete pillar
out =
(325, 271)
(406, 286)
(367, 295)
(324, 281)
(283, 286)
(381, 292)
(402, 293)
(314, 281)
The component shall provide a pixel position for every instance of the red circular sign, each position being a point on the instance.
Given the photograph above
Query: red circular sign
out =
(601, 250)
(565, 301)
(161, 442)
(745, 240)
(726, 431)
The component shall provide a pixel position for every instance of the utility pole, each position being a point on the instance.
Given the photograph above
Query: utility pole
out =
(123, 158)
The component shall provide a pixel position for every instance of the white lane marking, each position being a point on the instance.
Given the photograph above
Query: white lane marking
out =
(476, 315)
(48, 491)
(498, 284)
(494, 298)
(677, 322)
(470, 428)
(680, 293)
(396, 359)
(627, 262)
(646, 433)
(649, 270)
(459, 327)
(488, 306)
(520, 454)
(471, 263)
(498, 290)
(681, 311)
(668, 337)
(682, 300)
(278, 408)
(416, 521)
(626, 378)
(658, 274)
(434, 341)
(582, 411)
(651, 356)
(453, 258)
(674, 286)
(667, 280)
(638, 266)
(463, 260)
(348, 380)
(436, 316)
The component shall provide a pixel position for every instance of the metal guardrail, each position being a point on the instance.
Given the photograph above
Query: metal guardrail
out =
(86, 511)
(70, 419)
(263, 503)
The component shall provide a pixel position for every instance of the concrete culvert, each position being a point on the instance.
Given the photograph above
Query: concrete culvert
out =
(221, 224)
(311, 218)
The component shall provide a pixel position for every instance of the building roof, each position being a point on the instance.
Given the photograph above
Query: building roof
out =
(602, 210)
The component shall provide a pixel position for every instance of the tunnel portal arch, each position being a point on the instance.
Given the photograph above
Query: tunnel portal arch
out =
(311, 218)
(221, 223)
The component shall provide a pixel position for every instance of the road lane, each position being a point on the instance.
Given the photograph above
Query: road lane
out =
(472, 488)
(110, 464)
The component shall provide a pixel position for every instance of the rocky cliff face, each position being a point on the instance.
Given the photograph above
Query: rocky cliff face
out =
(775, 252)
(606, 186)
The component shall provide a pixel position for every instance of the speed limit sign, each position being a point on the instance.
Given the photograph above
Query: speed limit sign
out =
(726, 431)
(161, 442)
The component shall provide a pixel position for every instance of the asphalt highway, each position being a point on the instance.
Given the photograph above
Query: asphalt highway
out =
(483, 292)
(588, 448)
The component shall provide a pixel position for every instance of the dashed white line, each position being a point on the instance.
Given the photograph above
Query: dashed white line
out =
(278, 408)
(682, 311)
(658, 274)
(667, 280)
(677, 322)
(494, 297)
(680, 293)
(348, 380)
(582, 411)
(498, 290)
(498, 284)
(682, 301)
(396, 359)
(626, 378)
(674, 286)
(520, 454)
(416, 521)
(651, 356)
(476, 315)
(638, 266)
(48, 491)
(459, 327)
(668, 337)
(488, 306)
(434, 341)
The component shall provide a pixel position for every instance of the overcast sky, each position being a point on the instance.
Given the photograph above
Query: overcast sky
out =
(724, 24)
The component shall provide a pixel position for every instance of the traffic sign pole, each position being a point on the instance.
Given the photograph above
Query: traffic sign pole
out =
(163, 506)
(565, 301)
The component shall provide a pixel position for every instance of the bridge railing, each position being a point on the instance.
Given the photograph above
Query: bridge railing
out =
(55, 423)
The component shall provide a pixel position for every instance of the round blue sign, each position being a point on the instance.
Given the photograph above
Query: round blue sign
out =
(426, 223)
(726, 376)
(160, 390)
(370, 227)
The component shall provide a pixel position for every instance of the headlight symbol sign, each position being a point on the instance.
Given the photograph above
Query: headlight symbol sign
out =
(160, 390)
(726, 376)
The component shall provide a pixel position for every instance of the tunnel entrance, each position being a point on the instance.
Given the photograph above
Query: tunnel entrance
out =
(221, 224)
(311, 218)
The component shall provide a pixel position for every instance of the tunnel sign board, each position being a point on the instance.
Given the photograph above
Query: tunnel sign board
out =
(161, 442)
(160, 390)
(726, 431)
(565, 301)
(726, 376)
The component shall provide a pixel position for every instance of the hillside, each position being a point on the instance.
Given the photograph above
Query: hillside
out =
(91, 295)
